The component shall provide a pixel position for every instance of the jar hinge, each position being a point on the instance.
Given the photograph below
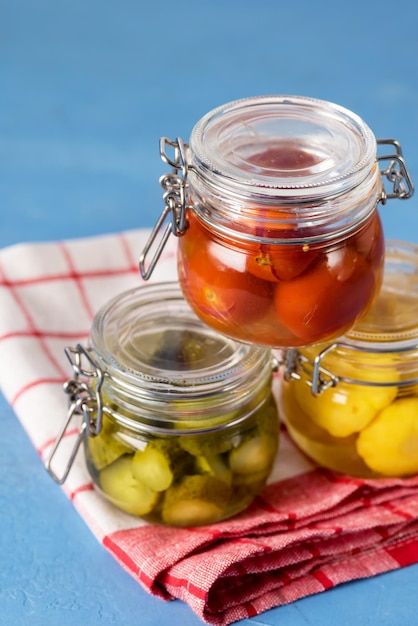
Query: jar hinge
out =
(295, 364)
(318, 378)
(173, 216)
(396, 172)
(83, 401)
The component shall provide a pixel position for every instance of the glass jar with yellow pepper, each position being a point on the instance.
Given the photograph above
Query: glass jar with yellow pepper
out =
(352, 405)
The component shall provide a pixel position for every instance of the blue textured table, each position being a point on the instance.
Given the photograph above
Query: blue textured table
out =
(86, 90)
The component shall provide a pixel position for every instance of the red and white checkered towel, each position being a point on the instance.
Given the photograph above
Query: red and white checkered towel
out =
(309, 531)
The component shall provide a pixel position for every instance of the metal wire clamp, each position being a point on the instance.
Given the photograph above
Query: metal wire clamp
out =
(317, 377)
(83, 401)
(396, 172)
(173, 217)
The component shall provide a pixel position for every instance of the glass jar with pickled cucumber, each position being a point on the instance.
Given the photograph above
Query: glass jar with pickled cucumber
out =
(352, 405)
(179, 423)
(275, 203)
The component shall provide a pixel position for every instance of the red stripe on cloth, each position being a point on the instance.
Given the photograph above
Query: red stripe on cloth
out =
(31, 325)
(87, 487)
(341, 478)
(35, 383)
(143, 577)
(323, 579)
(324, 526)
(23, 282)
(249, 608)
(268, 506)
(133, 263)
(215, 533)
(186, 583)
(265, 547)
(405, 553)
(43, 335)
(123, 558)
(398, 511)
(49, 442)
(76, 277)
(313, 549)
(285, 577)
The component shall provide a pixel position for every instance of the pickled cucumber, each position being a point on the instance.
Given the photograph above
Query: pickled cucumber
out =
(389, 445)
(215, 465)
(104, 448)
(254, 455)
(207, 444)
(195, 479)
(152, 467)
(129, 494)
(180, 349)
(256, 452)
(159, 463)
(195, 501)
(208, 467)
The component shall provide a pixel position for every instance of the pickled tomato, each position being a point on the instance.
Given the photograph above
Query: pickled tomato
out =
(280, 294)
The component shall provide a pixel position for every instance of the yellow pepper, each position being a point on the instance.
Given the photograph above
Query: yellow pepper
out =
(389, 445)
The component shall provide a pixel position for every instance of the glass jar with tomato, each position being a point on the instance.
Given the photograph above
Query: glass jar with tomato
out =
(352, 404)
(275, 202)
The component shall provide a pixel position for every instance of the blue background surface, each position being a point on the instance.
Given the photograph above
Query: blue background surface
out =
(86, 90)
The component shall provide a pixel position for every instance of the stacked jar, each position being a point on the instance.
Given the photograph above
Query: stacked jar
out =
(275, 203)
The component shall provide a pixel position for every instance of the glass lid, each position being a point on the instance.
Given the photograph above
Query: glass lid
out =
(293, 144)
(150, 335)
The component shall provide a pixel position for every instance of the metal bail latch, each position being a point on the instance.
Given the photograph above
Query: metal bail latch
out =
(83, 401)
(396, 172)
(317, 377)
(173, 216)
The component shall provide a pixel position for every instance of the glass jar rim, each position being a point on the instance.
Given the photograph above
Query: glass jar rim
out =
(385, 341)
(391, 325)
(240, 147)
(145, 313)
